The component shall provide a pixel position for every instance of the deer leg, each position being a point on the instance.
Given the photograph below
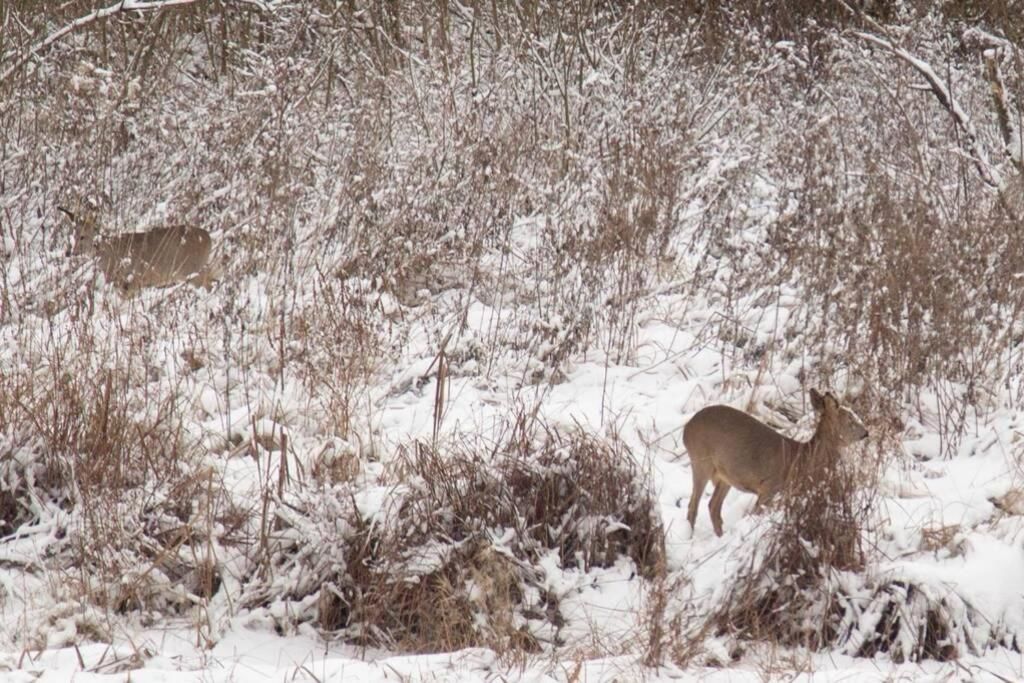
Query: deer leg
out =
(715, 506)
(700, 481)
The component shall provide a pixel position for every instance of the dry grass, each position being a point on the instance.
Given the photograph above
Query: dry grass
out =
(98, 463)
(343, 341)
(946, 539)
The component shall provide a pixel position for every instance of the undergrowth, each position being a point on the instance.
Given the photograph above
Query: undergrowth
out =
(453, 551)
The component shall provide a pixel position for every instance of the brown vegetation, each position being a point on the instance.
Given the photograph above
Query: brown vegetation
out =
(380, 170)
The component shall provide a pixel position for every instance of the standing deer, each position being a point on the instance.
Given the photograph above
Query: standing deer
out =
(733, 449)
(156, 258)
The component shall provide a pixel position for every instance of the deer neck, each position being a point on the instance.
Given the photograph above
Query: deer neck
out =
(825, 438)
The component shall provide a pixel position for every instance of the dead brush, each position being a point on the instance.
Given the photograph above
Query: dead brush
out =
(30, 479)
(481, 524)
(343, 343)
(665, 629)
(910, 620)
(147, 548)
(919, 286)
(455, 559)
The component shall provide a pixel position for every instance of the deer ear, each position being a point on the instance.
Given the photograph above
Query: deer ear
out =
(817, 400)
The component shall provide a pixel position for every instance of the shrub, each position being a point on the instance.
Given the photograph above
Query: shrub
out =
(452, 554)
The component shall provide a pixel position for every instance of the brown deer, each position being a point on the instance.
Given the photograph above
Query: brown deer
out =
(733, 449)
(156, 258)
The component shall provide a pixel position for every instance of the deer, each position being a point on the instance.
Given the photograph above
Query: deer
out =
(159, 257)
(735, 450)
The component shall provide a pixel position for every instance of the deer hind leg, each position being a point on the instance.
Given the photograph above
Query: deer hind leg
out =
(715, 506)
(700, 481)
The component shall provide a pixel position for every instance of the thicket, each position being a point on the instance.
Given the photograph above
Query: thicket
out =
(365, 165)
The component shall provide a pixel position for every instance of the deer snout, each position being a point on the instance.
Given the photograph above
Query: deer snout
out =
(860, 432)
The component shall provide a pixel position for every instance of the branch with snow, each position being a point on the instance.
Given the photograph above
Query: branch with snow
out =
(997, 86)
(979, 39)
(972, 144)
(945, 98)
(994, 51)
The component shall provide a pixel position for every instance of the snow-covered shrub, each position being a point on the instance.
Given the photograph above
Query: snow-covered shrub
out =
(809, 582)
(32, 483)
(911, 620)
(452, 553)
